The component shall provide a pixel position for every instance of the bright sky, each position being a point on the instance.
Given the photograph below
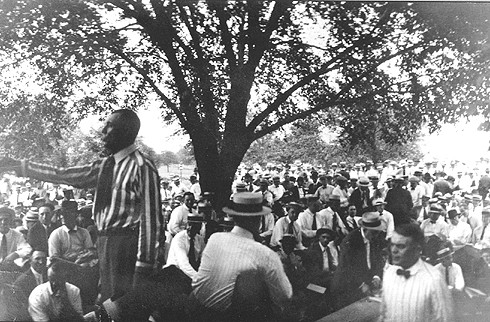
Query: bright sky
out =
(461, 142)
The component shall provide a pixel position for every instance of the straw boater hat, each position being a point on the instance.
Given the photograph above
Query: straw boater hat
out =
(371, 220)
(363, 182)
(247, 204)
(445, 252)
(378, 202)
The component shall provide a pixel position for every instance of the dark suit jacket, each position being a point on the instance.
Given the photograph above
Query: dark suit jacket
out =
(353, 270)
(399, 203)
(356, 199)
(484, 185)
(37, 237)
(313, 263)
(19, 301)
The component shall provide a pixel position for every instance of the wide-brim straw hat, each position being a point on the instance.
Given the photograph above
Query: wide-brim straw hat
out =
(247, 204)
(372, 220)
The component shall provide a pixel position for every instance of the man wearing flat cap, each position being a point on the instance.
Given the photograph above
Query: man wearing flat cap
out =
(360, 262)
(236, 271)
(12, 243)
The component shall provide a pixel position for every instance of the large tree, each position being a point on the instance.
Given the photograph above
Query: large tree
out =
(232, 72)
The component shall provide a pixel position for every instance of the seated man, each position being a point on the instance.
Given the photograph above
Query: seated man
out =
(451, 271)
(230, 257)
(288, 225)
(24, 284)
(12, 243)
(56, 300)
(433, 226)
(36, 233)
(321, 258)
(186, 247)
(178, 218)
(69, 241)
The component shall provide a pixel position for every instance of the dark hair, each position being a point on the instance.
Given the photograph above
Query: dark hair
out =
(131, 121)
(413, 231)
(322, 231)
(188, 193)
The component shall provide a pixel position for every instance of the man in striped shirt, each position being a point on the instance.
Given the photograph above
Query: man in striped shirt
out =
(127, 207)
(413, 290)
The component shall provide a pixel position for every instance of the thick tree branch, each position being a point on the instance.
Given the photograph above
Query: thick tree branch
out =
(226, 36)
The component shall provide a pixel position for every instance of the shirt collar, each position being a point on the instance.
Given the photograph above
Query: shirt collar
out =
(36, 274)
(239, 231)
(321, 247)
(121, 155)
(68, 230)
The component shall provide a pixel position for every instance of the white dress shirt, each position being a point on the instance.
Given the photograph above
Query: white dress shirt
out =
(178, 219)
(45, 306)
(68, 244)
(455, 275)
(305, 221)
(179, 251)
(16, 243)
(424, 296)
(328, 215)
(460, 233)
(439, 227)
(281, 228)
(225, 257)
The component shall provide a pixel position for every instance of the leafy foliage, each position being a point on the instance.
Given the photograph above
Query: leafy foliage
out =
(233, 72)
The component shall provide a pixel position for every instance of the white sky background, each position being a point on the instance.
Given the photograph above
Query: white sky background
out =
(460, 141)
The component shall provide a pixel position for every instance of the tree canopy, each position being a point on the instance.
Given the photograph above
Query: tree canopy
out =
(232, 72)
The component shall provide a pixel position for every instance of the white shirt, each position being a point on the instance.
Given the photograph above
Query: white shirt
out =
(387, 218)
(68, 244)
(44, 306)
(455, 275)
(424, 296)
(277, 192)
(196, 190)
(416, 194)
(461, 232)
(178, 219)
(305, 221)
(281, 228)
(333, 252)
(225, 257)
(328, 215)
(344, 196)
(269, 225)
(324, 193)
(439, 227)
(179, 250)
(16, 243)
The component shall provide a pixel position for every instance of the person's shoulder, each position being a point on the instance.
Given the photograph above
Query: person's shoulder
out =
(142, 159)
(72, 288)
(39, 290)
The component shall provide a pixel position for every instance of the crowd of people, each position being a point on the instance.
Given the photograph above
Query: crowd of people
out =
(294, 242)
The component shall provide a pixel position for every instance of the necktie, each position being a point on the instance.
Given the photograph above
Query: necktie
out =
(483, 233)
(403, 272)
(263, 224)
(313, 226)
(335, 222)
(290, 228)
(192, 255)
(104, 186)
(354, 224)
(329, 256)
(447, 275)
(425, 213)
(4, 249)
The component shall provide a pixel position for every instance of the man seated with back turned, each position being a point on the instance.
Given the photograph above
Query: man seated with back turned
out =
(239, 277)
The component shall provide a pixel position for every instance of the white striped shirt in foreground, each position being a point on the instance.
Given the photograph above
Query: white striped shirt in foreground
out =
(424, 296)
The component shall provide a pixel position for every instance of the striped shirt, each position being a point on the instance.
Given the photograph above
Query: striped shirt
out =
(225, 257)
(424, 296)
(135, 200)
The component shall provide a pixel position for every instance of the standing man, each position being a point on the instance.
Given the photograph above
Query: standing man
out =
(399, 202)
(127, 207)
(413, 290)
(360, 260)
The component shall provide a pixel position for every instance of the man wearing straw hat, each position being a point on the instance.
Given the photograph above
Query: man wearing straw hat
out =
(360, 262)
(451, 272)
(237, 274)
